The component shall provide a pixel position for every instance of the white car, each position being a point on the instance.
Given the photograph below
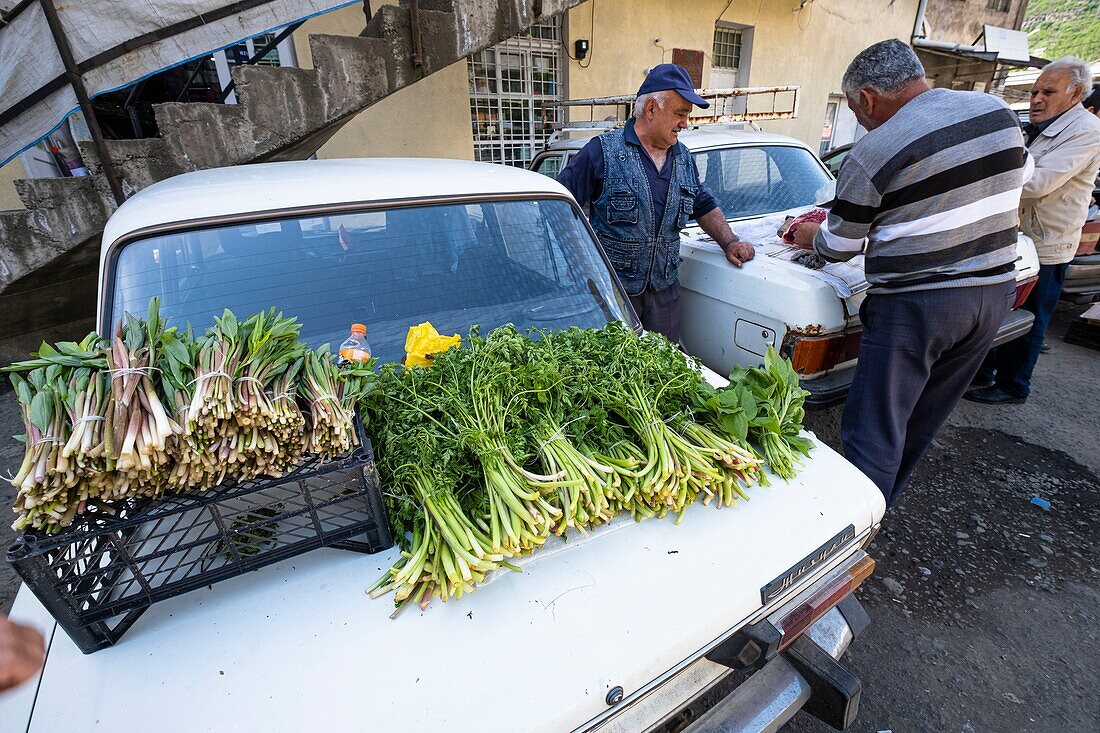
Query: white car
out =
(730, 316)
(618, 632)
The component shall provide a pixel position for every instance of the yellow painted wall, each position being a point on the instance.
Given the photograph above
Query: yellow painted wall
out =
(811, 48)
(430, 118)
(9, 199)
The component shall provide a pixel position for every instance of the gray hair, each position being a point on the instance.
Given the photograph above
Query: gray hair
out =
(661, 98)
(1076, 69)
(885, 67)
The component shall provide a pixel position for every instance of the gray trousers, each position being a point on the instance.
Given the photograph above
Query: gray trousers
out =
(918, 354)
(659, 311)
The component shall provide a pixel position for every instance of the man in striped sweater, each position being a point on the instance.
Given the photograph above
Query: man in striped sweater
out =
(930, 196)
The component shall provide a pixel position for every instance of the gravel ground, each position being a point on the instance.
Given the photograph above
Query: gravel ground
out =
(985, 608)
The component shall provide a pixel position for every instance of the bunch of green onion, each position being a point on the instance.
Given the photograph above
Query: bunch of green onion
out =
(155, 411)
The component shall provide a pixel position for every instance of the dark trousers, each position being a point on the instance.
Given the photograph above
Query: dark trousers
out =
(1011, 365)
(918, 354)
(659, 311)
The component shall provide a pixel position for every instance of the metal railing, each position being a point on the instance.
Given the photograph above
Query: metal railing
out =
(715, 96)
(718, 112)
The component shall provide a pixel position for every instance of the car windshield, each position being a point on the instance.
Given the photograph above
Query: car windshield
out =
(532, 263)
(751, 181)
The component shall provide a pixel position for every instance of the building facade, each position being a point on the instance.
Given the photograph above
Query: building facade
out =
(962, 23)
(498, 105)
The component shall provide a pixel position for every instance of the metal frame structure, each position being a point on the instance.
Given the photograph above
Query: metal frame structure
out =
(74, 71)
(719, 99)
(74, 78)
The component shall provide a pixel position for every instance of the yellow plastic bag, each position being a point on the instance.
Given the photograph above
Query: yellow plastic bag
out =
(424, 342)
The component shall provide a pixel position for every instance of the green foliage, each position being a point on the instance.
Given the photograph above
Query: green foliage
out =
(515, 437)
(779, 401)
(1058, 28)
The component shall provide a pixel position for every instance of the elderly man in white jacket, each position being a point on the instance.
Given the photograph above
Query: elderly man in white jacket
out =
(1064, 141)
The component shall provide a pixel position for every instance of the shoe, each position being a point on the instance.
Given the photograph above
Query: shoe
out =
(979, 382)
(993, 396)
(1045, 348)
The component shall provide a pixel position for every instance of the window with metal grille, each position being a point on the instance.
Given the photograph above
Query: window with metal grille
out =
(727, 48)
(246, 49)
(1001, 6)
(511, 85)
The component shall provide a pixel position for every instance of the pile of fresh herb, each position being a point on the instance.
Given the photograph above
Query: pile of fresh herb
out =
(774, 423)
(514, 438)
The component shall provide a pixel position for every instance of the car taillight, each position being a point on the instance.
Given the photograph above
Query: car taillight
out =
(812, 354)
(794, 621)
(1023, 289)
(1090, 239)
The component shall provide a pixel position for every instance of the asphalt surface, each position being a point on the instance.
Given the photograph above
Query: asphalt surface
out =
(985, 608)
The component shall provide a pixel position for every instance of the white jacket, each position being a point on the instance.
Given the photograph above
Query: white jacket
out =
(1055, 202)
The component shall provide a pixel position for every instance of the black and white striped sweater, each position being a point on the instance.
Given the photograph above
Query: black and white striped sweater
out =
(932, 195)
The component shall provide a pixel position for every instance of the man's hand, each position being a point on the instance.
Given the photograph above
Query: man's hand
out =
(804, 234)
(738, 253)
(22, 652)
(714, 224)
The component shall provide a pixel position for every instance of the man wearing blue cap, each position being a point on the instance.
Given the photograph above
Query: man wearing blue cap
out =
(642, 187)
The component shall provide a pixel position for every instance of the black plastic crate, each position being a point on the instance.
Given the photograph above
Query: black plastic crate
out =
(1083, 333)
(99, 575)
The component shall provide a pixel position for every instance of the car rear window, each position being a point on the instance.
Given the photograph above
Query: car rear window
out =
(532, 263)
(751, 181)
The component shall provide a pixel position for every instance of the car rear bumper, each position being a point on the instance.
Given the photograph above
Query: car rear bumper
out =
(831, 389)
(1015, 325)
(1082, 283)
(798, 678)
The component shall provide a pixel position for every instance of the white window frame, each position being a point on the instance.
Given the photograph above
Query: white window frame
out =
(285, 56)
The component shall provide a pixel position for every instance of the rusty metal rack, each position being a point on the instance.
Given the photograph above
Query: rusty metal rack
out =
(728, 106)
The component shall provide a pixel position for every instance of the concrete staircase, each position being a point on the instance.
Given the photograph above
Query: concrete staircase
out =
(49, 252)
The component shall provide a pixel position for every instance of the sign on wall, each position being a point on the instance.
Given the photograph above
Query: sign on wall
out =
(692, 61)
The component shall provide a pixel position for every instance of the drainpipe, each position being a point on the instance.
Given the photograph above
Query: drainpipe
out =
(946, 46)
(918, 25)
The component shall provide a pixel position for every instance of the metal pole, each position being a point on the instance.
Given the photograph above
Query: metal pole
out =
(82, 97)
(414, 23)
(918, 22)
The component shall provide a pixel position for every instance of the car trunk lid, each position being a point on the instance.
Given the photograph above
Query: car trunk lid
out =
(619, 608)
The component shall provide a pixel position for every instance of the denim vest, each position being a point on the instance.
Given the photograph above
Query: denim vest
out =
(623, 215)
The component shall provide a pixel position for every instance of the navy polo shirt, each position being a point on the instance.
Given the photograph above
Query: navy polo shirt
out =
(584, 178)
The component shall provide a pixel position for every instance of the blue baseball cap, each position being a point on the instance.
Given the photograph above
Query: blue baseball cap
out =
(674, 77)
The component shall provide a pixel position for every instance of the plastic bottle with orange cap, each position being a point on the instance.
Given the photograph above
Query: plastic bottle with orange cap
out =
(355, 348)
